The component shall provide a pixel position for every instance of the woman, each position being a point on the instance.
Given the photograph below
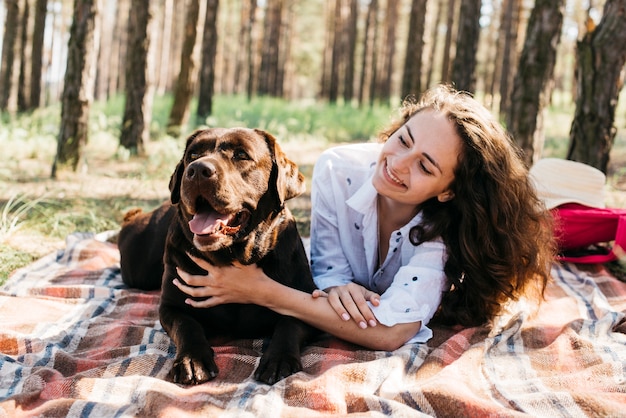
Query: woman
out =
(438, 221)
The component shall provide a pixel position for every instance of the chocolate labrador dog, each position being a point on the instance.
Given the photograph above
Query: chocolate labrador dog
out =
(228, 196)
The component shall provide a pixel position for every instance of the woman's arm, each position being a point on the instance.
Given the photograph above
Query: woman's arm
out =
(248, 284)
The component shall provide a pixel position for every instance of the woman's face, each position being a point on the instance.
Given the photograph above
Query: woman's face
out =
(417, 162)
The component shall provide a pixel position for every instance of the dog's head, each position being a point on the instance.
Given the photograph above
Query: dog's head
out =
(229, 181)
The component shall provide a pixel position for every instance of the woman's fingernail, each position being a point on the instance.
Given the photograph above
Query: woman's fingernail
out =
(372, 323)
(362, 324)
(345, 316)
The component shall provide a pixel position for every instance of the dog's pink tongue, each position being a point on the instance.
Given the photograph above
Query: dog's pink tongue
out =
(207, 223)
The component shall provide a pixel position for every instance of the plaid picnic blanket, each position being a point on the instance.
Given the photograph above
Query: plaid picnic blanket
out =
(74, 341)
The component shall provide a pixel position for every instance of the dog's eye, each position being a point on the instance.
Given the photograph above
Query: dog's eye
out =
(241, 155)
(194, 156)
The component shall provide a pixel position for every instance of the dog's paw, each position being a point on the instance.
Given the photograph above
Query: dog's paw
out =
(273, 368)
(190, 370)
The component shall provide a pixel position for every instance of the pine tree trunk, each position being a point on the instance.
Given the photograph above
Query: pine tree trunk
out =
(411, 78)
(250, 49)
(268, 73)
(535, 72)
(369, 41)
(41, 7)
(23, 83)
(464, 66)
(447, 45)
(351, 33)
(511, 23)
(207, 69)
(179, 114)
(9, 46)
(389, 51)
(601, 55)
(434, 41)
(337, 52)
(78, 86)
(138, 106)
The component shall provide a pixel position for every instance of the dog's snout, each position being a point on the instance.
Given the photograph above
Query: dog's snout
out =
(200, 170)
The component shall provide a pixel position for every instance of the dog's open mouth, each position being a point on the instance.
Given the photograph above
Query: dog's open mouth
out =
(208, 221)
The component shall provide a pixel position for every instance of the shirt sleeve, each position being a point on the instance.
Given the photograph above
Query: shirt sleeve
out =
(329, 265)
(415, 293)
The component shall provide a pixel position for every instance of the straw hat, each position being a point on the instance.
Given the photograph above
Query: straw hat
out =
(561, 181)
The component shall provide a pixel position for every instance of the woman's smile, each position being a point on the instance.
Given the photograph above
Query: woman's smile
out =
(392, 178)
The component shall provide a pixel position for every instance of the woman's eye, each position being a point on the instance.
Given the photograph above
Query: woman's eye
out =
(424, 169)
(402, 141)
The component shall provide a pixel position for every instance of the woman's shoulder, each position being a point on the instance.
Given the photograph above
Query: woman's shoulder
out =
(351, 155)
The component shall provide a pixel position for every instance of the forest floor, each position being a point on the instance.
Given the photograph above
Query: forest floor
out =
(110, 186)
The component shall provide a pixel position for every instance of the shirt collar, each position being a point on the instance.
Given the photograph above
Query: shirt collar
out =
(364, 202)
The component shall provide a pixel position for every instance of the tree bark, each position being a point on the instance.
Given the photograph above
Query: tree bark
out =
(337, 52)
(351, 34)
(434, 41)
(531, 87)
(179, 113)
(411, 78)
(268, 73)
(9, 46)
(207, 69)
(447, 46)
(41, 8)
(138, 106)
(369, 48)
(601, 55)
(510, 24)
(464, 66)
(78, 86)
(389, 52)
(25, 47)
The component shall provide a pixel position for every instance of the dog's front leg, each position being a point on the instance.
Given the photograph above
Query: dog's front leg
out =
(194, 362)
(282, 357)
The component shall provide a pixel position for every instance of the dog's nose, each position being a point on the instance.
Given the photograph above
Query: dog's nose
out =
(200, 170)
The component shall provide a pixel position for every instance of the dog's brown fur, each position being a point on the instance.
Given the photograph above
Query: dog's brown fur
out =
(243, 177)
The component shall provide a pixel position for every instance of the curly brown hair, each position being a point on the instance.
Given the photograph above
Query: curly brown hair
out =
(497, 232)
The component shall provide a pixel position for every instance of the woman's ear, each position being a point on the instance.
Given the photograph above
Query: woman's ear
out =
(445, 196)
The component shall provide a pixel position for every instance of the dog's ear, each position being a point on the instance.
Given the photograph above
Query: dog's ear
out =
(289, 180)
(177, 175)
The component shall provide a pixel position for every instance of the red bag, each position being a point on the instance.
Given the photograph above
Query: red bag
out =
(578, 227)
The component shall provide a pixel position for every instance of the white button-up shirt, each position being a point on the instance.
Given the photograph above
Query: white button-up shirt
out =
(344, 242)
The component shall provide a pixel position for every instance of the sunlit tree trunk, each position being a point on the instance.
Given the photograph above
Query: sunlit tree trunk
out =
(25, 48)
(117, 69)
(179, 113)
(338, 53)
(250, 87)
(351, 34)
(268, 73)
(103, 72)
(464, 66)
(511, 23)
(41, 7)
(447, 46)
(9, 62)
(601, 56)
(434, 39)
(369, 48)
(207, 69)
(531, 88)
(389, 52)
(78, 86)
(411, 77)
(138, 106)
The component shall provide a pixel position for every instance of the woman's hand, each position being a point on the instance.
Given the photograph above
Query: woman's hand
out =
(231, 284)
(350, 301)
